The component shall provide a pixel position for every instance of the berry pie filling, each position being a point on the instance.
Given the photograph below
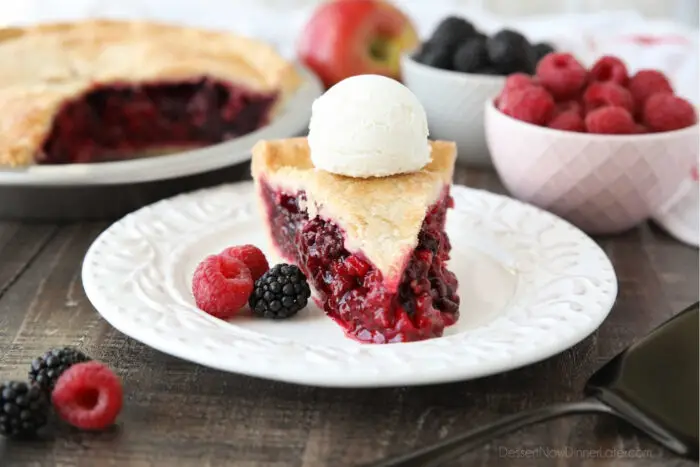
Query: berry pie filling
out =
(351, 290)
(119, 120)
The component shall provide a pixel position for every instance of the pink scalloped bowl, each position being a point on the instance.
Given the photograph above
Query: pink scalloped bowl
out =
(603, 184)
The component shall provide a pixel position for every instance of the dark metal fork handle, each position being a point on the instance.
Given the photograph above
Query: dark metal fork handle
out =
(437, 454)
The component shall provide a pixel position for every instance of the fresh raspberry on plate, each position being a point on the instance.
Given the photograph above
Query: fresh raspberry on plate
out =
(568, 121)
(609, 69)
(221, 285)
(610, 120)
(607, 93)
(667, 112)
(645, 83)
(251, 256)
(531, 104)
(88, 396)
(562, 75)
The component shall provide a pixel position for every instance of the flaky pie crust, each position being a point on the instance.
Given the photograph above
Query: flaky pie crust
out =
(43, 66)
(381, 217)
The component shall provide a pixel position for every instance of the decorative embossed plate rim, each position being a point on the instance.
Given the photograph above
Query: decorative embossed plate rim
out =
(565, 288)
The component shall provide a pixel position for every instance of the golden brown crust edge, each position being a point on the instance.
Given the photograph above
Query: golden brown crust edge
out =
(42, 66)
(273, 155)
(381, 216)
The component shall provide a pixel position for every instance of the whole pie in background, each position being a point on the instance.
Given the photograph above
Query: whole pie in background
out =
(101, 90)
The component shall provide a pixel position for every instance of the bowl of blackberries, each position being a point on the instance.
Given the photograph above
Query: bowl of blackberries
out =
(456, 70)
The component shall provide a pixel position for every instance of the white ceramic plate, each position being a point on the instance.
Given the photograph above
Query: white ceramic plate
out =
(531, 286)
(292, 120)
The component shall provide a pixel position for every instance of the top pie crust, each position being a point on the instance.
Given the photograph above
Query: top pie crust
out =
(381, 217)
(43, 66)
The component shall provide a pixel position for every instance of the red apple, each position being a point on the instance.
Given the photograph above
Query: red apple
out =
(345, 38)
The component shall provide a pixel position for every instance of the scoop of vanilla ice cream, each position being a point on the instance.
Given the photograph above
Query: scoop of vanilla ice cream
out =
(368, 126)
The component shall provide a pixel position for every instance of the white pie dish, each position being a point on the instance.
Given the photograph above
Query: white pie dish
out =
(531, 284)
(293, 119)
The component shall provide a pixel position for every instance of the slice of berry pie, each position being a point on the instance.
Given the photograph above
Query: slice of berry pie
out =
(98, 90)
(374, 249)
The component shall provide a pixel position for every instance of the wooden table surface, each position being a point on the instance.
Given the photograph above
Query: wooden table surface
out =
(180, 414)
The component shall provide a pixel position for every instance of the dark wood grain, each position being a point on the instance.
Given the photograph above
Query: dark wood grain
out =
(180, 414)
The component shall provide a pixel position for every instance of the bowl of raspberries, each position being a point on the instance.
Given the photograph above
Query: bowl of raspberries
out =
(599, 146)
(458, 68)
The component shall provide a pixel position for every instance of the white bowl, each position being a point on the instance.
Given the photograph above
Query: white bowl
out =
(602, 183)
(454, 104)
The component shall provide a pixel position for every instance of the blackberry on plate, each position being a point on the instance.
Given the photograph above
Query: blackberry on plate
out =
(280, 293)
(46, 369)
(24, 409)
(510, 52)
(435, 56)
(451, 32)
(541, 49)
(471, 56)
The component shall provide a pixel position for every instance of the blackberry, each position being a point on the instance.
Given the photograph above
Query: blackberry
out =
(435, 56)
(24, 409)
(471, 56)
(541, 49)
(46, 369)
(280, 293)
(510, 52)
(451, 32)
(422, 50)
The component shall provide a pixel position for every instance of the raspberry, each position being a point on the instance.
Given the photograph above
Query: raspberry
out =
(356, 266)
(569, 106)
(251, 256)
(88, 396)
(640, 129)
(532, 105)
(561, 74)
(645, 83)
(514, 82)
(607, 93)
(609, 69)
(221, 285)
(568, 121)
(667, 112)
(610, 120)
(518, 81)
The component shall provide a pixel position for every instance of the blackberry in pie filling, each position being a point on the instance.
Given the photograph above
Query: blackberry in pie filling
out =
(118, 119)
